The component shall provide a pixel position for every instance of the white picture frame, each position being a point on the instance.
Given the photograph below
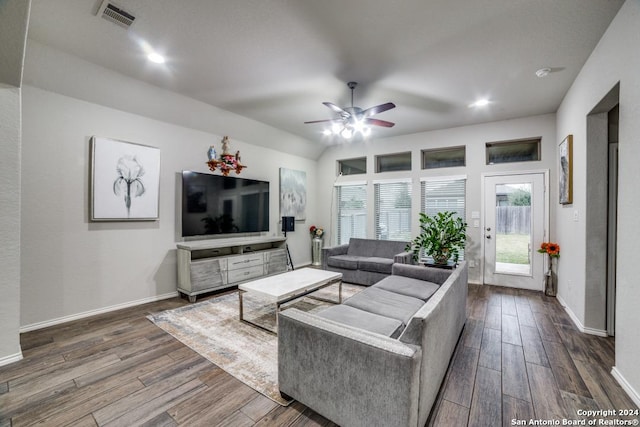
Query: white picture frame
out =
(293, 194)
(125, 181)
(565, 171)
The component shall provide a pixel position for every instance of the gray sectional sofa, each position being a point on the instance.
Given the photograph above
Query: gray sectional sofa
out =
(379, 358)
(365, 261)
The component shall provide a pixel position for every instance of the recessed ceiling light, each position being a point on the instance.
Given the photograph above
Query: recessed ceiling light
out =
(480, 103)
(543, 72)
(156, 57)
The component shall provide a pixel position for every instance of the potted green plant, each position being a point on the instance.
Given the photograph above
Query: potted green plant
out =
(441, 237)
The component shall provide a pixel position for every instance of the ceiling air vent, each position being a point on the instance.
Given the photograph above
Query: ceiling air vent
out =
(113, 13)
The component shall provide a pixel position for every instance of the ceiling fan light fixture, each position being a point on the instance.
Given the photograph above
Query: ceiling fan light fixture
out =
(349, 121)
(346, 133)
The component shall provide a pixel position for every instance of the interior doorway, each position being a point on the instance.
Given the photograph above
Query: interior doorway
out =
(601, 215)
(514, 226)
(612, 217)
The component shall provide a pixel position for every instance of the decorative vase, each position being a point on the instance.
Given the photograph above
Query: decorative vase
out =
(550, 281)
(441, 258)
(316, 251)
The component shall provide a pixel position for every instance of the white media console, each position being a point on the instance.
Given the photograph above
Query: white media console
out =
(209, 265)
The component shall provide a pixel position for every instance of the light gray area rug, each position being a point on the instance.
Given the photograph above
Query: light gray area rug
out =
(212, 328)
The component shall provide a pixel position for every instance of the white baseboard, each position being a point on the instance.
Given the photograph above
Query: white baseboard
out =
(11, 358)
(633, 394)
(65, 319)
(578, 323)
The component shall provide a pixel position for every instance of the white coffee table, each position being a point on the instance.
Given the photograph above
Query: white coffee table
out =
(288, 286)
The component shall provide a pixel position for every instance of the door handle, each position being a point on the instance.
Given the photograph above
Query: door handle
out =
(488, 236)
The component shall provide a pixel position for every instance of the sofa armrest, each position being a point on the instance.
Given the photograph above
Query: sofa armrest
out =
(403, 258)
(330, 367)
(335, 250)
(428, 274)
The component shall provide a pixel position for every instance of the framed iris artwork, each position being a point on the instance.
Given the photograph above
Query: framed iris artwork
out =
(125, 181)
(565, 171)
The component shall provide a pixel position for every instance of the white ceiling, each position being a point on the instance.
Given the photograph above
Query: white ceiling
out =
(276, 61)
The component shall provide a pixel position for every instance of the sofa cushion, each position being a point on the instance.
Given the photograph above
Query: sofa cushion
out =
(364, 320)
(385, 303)
(375, 248)
(408, 286)
(343, 261)
(378, 265)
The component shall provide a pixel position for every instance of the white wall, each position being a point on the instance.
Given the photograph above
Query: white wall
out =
(14, 17)
(473, 137)
(57, 71)
(10, 224)
(71, 266)
(614, 60)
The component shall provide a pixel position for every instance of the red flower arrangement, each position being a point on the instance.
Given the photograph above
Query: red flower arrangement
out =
(316, 231)
(551, 249)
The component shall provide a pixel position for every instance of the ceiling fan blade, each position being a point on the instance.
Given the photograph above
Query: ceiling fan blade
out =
(320, 121)
(336, 109)
(378, 109)
(378, 122)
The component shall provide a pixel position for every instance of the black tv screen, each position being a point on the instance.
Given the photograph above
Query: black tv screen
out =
(214, 204)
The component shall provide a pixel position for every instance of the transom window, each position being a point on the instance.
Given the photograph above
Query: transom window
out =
(393, 162)
(443, 157)
(356, 166)
(521, 150)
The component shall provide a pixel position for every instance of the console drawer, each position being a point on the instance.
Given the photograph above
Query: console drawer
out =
(242, 274)
(244, 261)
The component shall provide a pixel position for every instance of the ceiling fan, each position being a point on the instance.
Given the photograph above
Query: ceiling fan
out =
(354, 119)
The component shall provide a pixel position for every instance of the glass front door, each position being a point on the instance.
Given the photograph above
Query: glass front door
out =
(514, 229)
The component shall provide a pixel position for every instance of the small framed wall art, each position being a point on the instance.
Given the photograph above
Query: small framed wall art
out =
(565, 170)
(125, 181)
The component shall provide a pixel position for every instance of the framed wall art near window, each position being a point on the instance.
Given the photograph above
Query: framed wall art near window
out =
(125, 181)
(565, 170)
(293, 193)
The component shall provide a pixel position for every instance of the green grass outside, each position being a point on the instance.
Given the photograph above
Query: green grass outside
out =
(512, 248)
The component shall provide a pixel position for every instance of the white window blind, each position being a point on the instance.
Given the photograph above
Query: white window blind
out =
(439, 195)
(393, 210)
(352, 212)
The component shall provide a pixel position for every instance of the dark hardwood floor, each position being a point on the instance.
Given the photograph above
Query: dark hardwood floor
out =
(520, 357)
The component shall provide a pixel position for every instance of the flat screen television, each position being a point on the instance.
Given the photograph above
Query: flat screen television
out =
(215, 204)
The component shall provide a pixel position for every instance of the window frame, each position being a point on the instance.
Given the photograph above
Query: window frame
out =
(338, 188)
(461, 211)
(377, 229)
